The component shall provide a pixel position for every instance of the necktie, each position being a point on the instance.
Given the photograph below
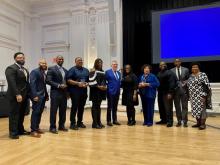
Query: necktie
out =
(62, 73)
(116, 75)
(24, 71)
(178, 73)
(44, 75)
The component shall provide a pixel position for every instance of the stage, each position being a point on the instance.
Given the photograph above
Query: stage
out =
(121, 145)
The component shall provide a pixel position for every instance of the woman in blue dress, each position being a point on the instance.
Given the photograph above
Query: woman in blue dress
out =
(148, 84)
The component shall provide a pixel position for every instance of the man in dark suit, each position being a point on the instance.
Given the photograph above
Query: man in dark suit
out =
(18, 87)
(180, 96)
(39, 96)
(56, 78)
(113, 78)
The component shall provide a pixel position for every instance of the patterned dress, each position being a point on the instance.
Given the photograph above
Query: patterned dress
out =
(196, 92)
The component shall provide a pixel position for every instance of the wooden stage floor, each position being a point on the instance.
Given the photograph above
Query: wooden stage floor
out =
(118, 145)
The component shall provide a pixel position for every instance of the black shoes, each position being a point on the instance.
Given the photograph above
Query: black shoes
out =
(101, 125)
(81, 125)
(169, 124)
(96, 126)
(109, 124)
(74, 127)
(54, 131)
(116, 123)
(131, 123)
(161, 122)
(14, 136)
(24, 132)
(63, 129)
(185, 125)
(77, 126)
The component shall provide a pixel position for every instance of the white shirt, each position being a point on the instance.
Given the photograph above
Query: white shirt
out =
(177, 71)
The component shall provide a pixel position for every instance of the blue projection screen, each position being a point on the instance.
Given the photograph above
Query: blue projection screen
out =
(192, 34)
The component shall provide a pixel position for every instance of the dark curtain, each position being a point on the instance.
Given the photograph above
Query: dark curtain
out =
(137, 33)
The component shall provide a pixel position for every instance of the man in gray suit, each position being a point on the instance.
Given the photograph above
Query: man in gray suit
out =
(180, 96)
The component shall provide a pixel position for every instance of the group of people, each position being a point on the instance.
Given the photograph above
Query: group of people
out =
(173, 85)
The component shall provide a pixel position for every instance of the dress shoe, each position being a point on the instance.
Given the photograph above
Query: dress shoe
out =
(96, 126)
(101, 125)
(116, 123)
(54, 131)
(149, 124)
(63, 129)
(81, 125)
(40, 131)
(161, 122)
(185, 125)
(198, 123)
(14, 136)
(131, 123)
(74, 127)
(24, 132)
(35, 134)
(169, 124)
(178, 124)
(202, 127)
(109, 124)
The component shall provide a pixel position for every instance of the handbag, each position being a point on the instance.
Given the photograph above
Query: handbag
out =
(208, 91)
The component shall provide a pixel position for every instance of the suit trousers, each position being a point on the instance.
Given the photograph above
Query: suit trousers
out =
(38, 108)
(16, 116)
(168, 104)
(161, 106)
(58, 101)
(181, 105)
(112, 107)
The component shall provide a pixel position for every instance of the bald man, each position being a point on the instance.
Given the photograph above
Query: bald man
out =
(39, 96)
(168, 85)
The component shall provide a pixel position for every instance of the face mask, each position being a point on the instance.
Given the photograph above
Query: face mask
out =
(21, 62)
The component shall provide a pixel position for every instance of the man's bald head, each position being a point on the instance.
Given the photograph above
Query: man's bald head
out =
(162, 65)
(43, 64)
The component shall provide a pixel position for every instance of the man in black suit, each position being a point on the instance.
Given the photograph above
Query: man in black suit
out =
(39, 96)
(18, 88)
(56, 78)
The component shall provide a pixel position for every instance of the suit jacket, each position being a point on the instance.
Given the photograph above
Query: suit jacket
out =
(18, 82)
(149, 92)
(183, 77)
(38, 84)
(113, 84)
(54, 78)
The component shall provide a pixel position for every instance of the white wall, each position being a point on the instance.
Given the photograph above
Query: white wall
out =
(14, 33)
(77, 28)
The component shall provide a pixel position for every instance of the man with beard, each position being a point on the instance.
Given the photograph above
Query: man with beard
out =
(56, 78)
(78, 78)
(18, 87)
(168, 85)
(39, 96)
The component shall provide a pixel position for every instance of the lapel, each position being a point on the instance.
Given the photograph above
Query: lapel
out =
(41, 74)
(22, 72)
(114, 75)
(58, 72)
